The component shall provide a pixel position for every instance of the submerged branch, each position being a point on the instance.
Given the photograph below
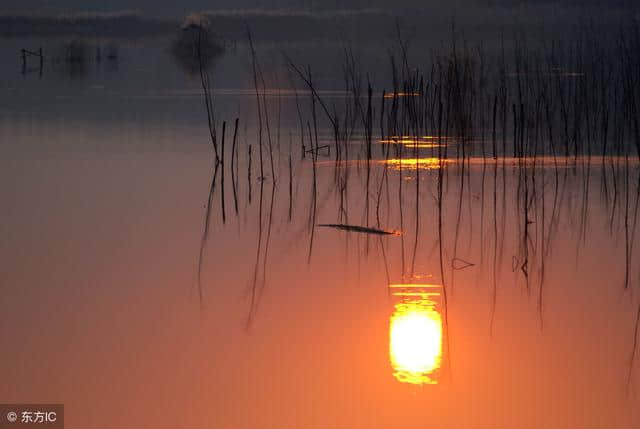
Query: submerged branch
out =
(361, 229)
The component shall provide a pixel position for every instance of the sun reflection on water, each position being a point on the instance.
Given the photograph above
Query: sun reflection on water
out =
(415, 334)
(420, 142)
(427, 163)
(402, 94)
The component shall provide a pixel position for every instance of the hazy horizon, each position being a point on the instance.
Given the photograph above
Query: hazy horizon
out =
(167, 9)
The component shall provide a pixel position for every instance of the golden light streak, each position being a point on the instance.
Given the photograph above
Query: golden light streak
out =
(415, 334)
(427, 163)
(402, 94)
(423, 142)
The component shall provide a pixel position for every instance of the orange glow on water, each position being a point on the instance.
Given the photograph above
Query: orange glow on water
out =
(402, 94)
(422, 142)
(428, 163)
(415, 335)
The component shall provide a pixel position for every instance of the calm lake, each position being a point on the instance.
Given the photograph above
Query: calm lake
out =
(410, 279)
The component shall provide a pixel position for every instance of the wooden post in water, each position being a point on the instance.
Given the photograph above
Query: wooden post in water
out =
(24, 53)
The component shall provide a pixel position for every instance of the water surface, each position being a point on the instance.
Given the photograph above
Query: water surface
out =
(128, 297)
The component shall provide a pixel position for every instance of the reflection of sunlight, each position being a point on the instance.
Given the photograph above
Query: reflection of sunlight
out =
(420, 142)
(402, 94)
(415, 335)
(428, 163)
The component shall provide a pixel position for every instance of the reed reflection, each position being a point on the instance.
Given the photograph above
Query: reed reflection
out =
(415, 334)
